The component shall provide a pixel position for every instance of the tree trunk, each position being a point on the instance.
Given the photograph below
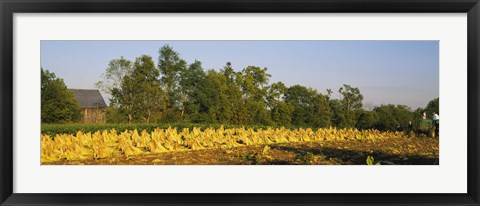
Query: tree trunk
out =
(148, 117)
(184, 98)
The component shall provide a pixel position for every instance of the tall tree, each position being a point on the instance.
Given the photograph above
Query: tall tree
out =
(211, 100)
(338, 116)
(351, 101)
(234, 94)
(254, 88)
(171, 66)
(322, 111)
(149, 96)
(111, 83)
(301, 98)
(113, 76)
(281, 112)
(191, 82)
(223, 109)
(140, 97)
(58, 104)
(124, 98)
(276, 93)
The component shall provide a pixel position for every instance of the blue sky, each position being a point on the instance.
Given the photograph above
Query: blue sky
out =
(396, 72)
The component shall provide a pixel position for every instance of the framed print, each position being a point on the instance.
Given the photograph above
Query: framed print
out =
(252, 103)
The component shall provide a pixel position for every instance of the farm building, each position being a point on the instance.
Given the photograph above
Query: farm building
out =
(92, 105)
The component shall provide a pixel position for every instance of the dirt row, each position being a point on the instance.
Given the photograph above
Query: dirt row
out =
(395, 151)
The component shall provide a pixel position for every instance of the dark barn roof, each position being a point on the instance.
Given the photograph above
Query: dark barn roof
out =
(89, 98)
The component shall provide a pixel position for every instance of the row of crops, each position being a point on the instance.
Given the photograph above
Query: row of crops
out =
(54, 129)
(111, 143)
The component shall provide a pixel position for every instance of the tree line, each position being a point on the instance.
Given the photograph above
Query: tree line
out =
(175, 91)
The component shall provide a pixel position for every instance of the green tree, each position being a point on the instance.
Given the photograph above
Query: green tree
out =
(281, 111)
(254, 89)
(366, 119)
(300, 98)
(282, 114)
(149, 97)
(311, 109)
(171, 66)
(433, 106)
(234, 94)
(140, 97)
(191, 80)
(338, 116)
(322, 111)
(386, 120)
(393, 117)
(221, 110)
(111, 83)
(124, 98)
(276, 93)
(212, 100)
(350, 102)
(58, 104)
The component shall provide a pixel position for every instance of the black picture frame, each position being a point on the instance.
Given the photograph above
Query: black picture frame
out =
(9, 7)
